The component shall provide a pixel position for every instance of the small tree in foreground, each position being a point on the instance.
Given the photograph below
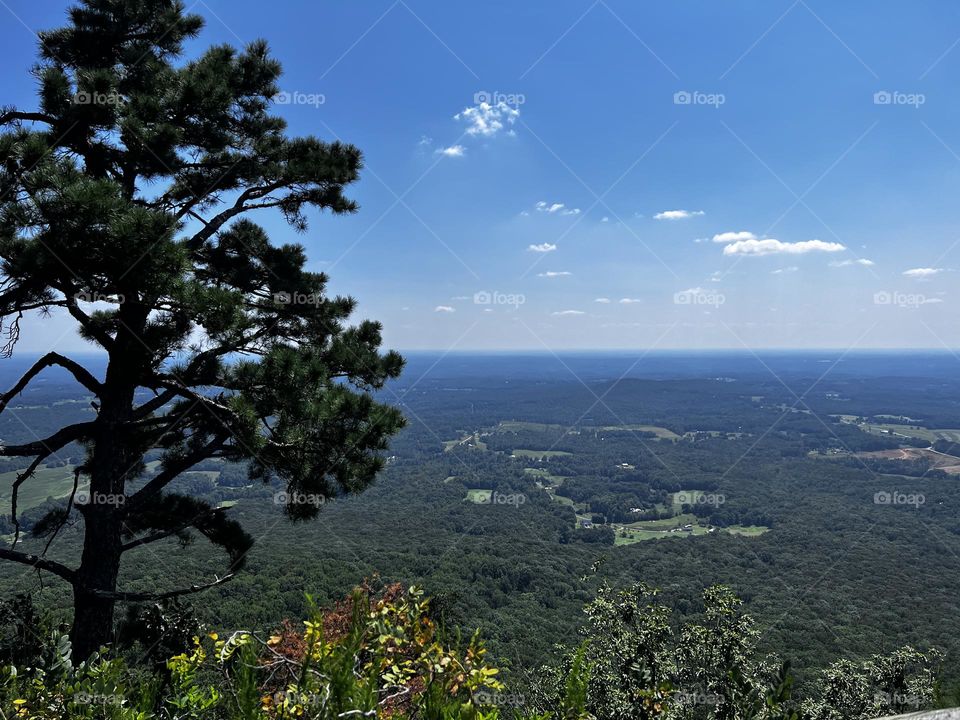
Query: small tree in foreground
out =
(125, 201)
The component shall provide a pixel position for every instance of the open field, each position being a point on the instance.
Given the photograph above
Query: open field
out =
(517, 425)
(662, 433)
(538, 454)
(544, 476)
(937, 460)
(930, 435)
(471, 441)
(480, 496)
(46, 482)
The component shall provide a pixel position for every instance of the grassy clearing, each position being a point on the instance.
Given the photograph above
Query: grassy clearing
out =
(747, 530)
(470, 441)
(46, 482)
(480, 496)
(539, 454)
(517, 425)
(544, 476)
(662, 433)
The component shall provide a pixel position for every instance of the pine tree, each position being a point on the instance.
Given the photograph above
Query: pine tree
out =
(126, 200)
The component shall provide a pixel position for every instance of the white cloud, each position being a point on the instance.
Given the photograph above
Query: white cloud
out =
(568, 312)
(487, 120)
(604, 301)
(554, 274)
(554, 208)
(922, 272)
(783, 271)
(542, 248)
(733, 236)
(629, 301)
(677, 214)
(778, 247)
(847, 263)
(604, 219)
(444, 309)
(452, 151)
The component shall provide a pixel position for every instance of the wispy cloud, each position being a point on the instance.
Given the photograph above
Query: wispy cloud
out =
(603, 300)
(452, 151)
(770, 246)
(554, 274)
(444, 309)
(555, 208)
(677, 214)
(847, 263)
(486, 120)
(542, 248)
(568, 312)
(629, 301)
(785, 270)
(922, 272)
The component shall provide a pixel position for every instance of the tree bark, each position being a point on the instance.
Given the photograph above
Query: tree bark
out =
(99, 566)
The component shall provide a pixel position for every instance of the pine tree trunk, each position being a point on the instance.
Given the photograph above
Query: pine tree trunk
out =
(99, 567)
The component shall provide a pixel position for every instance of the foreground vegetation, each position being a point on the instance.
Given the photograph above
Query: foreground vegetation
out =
(384, 655)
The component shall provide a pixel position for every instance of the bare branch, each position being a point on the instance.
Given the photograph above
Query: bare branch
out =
(61, 438)
(79, 372)
(39, 563)
(140, 597)
(18, 116)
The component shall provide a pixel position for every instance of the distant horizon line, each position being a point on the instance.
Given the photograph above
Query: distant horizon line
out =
(615, 351)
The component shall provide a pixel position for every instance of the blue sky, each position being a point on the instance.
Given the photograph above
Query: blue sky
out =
(770, 174)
